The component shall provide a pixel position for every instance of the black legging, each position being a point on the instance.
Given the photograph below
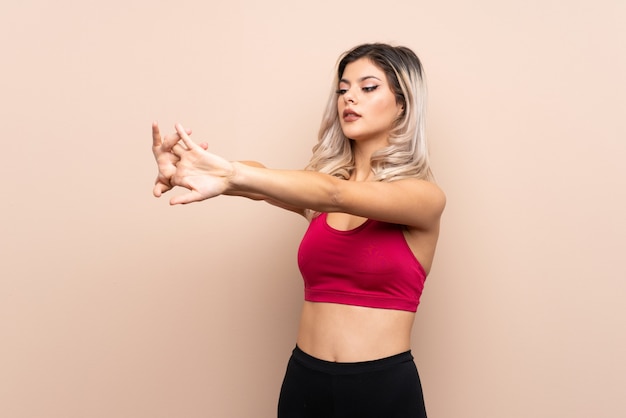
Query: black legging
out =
(385, 388)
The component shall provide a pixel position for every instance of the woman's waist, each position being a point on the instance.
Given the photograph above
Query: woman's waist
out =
(345, 333)
(347, 368)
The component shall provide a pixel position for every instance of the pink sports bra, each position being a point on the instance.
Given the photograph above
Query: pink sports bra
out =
(371, 265)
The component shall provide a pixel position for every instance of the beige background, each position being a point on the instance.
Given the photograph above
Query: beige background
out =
(114, 304)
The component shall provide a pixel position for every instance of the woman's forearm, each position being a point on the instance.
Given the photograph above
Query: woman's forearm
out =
(262, 196)
(249, 195)
(293, 188)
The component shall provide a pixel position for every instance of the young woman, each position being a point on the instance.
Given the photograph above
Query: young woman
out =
(374, 217)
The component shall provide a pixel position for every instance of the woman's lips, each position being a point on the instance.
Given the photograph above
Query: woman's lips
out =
(350, 115)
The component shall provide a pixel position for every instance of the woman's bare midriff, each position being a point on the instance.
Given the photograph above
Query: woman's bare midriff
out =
(345, 333)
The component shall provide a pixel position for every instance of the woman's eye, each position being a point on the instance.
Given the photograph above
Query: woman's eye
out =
(367, 89)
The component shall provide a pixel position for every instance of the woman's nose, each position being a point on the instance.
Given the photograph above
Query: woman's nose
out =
(348, 97)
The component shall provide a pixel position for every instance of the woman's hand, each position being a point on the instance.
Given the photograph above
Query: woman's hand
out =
(165, 159)
(205, 175)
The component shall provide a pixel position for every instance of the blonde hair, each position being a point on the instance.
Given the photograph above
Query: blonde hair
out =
(407, 153)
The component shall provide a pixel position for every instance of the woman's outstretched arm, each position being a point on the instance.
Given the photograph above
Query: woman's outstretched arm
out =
(413, 202)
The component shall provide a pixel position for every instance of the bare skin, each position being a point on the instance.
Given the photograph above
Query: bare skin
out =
(328, 331)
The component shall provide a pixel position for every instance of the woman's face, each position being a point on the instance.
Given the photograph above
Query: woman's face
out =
(367, 107)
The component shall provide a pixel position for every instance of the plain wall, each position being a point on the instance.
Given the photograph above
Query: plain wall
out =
(114, 304)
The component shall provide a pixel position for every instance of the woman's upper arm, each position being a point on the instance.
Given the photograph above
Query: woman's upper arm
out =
(412, 202)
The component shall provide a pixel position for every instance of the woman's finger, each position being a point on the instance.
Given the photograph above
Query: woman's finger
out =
(160, 188)
(183, 135)
(156, 135)
(178, 149)
(169, 140)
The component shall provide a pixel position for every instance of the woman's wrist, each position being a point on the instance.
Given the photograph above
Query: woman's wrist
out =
(235, 178)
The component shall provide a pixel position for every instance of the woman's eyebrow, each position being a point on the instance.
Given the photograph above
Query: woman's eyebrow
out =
(343, 80)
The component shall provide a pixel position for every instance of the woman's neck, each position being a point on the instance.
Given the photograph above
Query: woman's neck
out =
(363, 151)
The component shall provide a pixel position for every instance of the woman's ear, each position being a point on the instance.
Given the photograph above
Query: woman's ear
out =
(400, 109)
